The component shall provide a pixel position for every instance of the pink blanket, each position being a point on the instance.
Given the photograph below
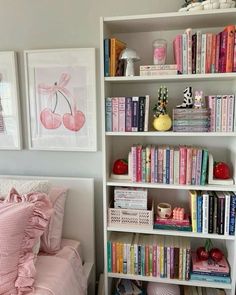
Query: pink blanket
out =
(60, 274)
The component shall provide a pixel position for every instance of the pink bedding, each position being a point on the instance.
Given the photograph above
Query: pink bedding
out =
(61, 273)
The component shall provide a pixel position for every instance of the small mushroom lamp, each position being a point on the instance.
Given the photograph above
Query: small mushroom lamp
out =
(129, 56)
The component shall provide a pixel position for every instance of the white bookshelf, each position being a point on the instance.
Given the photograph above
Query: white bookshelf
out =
(139, 32)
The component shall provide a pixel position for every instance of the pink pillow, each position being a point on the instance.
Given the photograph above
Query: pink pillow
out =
(22, 220)
(51, 239)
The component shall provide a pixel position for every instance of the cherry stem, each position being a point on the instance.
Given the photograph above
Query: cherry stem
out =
(55, 103)
(66, 100)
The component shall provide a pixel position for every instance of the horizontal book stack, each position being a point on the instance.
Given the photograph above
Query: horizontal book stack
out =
(149, 255)
(200, 53)
(130, 198)
(173, 224)
(155, 70)
(213, 212)
(210, 270)
(223, 112)
(112, 65)
(191, 120)
(168, 164)
(193, 290)
(127, 114)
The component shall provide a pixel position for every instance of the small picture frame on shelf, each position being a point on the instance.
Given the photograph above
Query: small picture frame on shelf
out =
(10, 127)
(61, 99)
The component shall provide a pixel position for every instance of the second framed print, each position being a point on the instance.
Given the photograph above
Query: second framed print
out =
(61, 99)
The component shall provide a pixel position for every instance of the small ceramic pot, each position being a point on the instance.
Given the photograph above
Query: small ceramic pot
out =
(164, 210)
(162, 122)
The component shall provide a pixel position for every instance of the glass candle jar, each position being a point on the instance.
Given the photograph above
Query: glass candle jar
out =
(159, 51)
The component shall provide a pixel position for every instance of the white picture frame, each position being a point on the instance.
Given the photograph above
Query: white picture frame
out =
(61, 99)
(10, 119)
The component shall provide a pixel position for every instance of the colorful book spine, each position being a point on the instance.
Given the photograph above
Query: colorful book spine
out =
(135, 111)
(213, 55)
(143, 165)
(199, 167)
(178, 53)
(204, 167)
(185, 54)
(146, 117)
(121, 115)
(189, 165)
(218, 113)
(160, 164)
(232, 214)
(193, 209)
(134, 163)
(152, 164)
(212, 279)
(156, 165)
(171, 166)
(198, 51)
(223, 52)
(115, 114)
(164, 166)
(203, 54)
(182, 167)
(141, 113)
(230, 48)
(148, 164)
(154, 261)
(128, 114)
(224, 113)
(218, 36)
(194, 166)
(108, 110)
(230, 113)
(107, 57)
(194, 53)
(227, 212)
(199, 213)
(109, 256)
(189, 50)
(176, 166)
(210, 212)
(205, 212)
(167, 165)
(139, 163)
(234, 68)
(208, 52)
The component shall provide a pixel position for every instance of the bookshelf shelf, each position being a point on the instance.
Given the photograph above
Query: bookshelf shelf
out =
(170, 233)
(172, 78)
(209, 187)
(137, 31)
(171, 281)
(173, 134)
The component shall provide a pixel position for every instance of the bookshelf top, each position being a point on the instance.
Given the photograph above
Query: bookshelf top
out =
(170, 21)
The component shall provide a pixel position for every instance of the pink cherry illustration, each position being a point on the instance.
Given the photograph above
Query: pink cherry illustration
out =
(75, 121)
(49, 119)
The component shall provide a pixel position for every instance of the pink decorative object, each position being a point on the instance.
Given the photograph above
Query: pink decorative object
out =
(159, 51)
(178, 213)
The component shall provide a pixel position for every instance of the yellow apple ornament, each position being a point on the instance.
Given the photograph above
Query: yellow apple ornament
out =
(161, 121)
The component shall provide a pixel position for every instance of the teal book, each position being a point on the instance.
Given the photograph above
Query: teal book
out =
(107, 57)
(109, 254)
(211, 279)
(204, 167)
(108, 112)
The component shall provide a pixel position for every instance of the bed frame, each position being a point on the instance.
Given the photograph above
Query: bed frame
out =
(79, 217)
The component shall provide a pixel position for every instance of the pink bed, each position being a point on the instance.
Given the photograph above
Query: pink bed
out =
(61, 273)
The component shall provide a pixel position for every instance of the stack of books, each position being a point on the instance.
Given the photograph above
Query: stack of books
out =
(200, 53)
(155, 70)
(223, 112)
(191, 120)
(168, 164)
(127, 114)
(112, 65)
(130, 198)
(173, 224)
(210, 270)
(149, 255)
(192, 290)
(213, 212)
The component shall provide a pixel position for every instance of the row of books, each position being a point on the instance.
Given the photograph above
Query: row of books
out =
(168, 164)
(129, 114)
(223, 112)
(149, 255)
(193, 290)
(213, 212)
(209, 270)
(130, 198)
(191, 120)
(112, 49)
(200, 53)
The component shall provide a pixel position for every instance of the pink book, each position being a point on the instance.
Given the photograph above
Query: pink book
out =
(189, 165)
(223, 52)
(115, 114)
(134, 163)
(211, 104)
(217, 52)
(199, 48)
(171, 221)
(171, 165)
(189, 50)
(168, 262)
(139, 163)
(209, 266)
(154, 260)
(178, 53)
(152, 164)
(121, 120)
(160, 164)
(199, 167)
(208, 52)
(230, 116)
(224, 113)
(194, 165)
(234, 64)
(183, 162)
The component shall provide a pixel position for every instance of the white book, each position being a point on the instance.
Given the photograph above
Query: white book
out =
(203, 54)
(146, 117)
(176, 166)
(224, 112)
(218, 113)
(185, 54)
(189, 50)
(227, 212)
(205, 209)
(199, 48)
(230, 116)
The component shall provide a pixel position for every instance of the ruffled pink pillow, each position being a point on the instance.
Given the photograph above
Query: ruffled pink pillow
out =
(23, 220)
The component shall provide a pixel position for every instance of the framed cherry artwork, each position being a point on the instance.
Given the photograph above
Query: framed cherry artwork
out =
(61, 99)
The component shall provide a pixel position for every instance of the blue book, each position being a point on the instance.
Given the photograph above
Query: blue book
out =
(109, 258)
(204, 167)
(107, 57)
(232, 213)
(135, 113)
(168, 165)
(219, 274)
(108, 111)
(212, 279)
(199, 213)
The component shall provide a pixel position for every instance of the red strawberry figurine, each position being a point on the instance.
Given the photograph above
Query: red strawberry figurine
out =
(216, 254)
(120, 167)
(221, 171)
(202, 254)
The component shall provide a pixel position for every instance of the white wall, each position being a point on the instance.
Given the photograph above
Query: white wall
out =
(44, 24)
